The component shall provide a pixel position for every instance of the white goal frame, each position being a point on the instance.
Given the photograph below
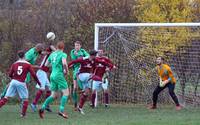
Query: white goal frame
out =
(98, 25)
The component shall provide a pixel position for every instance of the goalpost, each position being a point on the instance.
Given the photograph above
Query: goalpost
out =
(133, 47)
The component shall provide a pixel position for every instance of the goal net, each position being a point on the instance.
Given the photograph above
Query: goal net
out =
(133, 48)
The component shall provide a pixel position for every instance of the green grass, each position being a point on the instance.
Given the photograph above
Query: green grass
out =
(115, 115)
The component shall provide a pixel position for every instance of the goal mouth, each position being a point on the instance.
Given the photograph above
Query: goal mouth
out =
(133, 47)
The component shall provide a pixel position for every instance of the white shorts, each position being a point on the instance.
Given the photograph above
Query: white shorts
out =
(84, 78)
(43, 78)
(105, 84)
(17, 87)
(96, 85)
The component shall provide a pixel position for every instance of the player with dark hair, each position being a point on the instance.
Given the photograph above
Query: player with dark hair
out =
(58, 61)
(31, 56)
(18, 73)
(43, 78)
(76, 53)
(84, 74)
(167, 80)
(101, 65)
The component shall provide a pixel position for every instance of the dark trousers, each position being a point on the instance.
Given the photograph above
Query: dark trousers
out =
(158, 89)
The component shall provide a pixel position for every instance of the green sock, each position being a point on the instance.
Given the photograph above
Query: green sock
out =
(75, 97)
(63, 101)
(49, 100)
(4, 92)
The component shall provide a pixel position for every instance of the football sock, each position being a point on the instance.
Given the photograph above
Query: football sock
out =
(83, 98)
(3, 101)
(63, 101)
(106, 95)
(75, 97)
(48, 93)
(93, 98)
(37, 97)
(49, 100)
(25, 106)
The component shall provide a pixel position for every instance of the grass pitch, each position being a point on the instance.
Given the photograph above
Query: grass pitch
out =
(114, 115)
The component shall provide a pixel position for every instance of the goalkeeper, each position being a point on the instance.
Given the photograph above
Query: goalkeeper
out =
(76, 53)
(167, 80)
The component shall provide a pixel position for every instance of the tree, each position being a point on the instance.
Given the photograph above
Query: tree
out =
(165, 41)
(84, 14)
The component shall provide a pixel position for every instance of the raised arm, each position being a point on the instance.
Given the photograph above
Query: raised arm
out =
(34, 75)
(110, 65)
(79, 60)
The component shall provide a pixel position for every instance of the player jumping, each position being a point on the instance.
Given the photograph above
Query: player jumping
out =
(76, 53)
(86, 67)
(101, 64)
(105, 82)
(43, 78)
(58, 61)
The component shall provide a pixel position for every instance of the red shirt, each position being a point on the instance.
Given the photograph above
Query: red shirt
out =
(19, 70)
(86, 66)
(104, 58)
(42, 65)
(100, 66)
(44, 60)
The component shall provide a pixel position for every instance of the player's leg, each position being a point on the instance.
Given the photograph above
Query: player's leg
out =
(63, 86)
(23, 94)
(41, 76)
(63, 101)
(84, 77)
(47, 94)
(95, 87)
(106, 92)
(36, 99)
(48, 91)
(75, 88)
(83, 99)
(171, 88)
(11, 91)
(156, 92)
(4, 91)
(51, 98)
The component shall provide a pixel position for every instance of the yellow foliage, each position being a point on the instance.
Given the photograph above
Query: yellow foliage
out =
(161, 40)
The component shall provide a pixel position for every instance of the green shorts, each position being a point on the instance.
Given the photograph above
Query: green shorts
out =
(58, 83)
(75, 71)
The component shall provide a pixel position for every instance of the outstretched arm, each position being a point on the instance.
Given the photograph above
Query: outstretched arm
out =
(34, 75)
(79, 60)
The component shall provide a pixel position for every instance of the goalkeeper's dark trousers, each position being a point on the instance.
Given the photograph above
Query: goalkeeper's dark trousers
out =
(158, 89)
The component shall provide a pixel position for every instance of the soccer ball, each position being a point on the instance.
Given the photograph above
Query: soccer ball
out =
(51, 36)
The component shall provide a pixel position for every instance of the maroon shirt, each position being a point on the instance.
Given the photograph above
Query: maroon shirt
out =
(19, 70)
(86, 66)
(104, 58)
(44, 60)
(100, 66)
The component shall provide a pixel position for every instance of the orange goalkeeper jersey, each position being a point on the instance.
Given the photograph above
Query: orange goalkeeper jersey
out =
(165, 73)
